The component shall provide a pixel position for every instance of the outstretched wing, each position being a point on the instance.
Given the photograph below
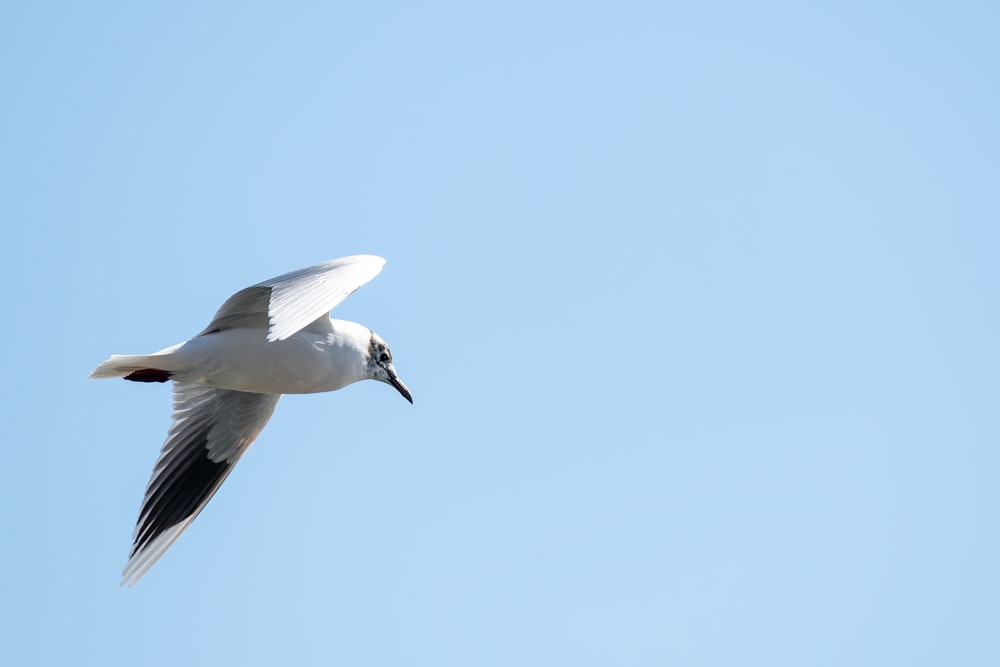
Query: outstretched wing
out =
(211, 430)
(290, 302)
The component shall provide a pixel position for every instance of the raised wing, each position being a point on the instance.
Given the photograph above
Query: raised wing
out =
(211, 430)
(290, 302)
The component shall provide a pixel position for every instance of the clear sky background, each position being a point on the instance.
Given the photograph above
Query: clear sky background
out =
(697, 301)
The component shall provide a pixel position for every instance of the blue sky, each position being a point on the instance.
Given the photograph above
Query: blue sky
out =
(697, 302)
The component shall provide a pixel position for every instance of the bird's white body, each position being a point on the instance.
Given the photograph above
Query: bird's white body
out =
(325, 356)
(273, 338)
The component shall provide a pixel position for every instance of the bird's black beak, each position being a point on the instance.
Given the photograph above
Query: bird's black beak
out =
(400, 387)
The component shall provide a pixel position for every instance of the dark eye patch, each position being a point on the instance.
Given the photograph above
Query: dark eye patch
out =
(384, 357)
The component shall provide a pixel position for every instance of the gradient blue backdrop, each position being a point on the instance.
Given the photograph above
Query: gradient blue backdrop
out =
(697, 301)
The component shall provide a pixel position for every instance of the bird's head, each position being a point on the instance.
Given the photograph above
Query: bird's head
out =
(379, 366)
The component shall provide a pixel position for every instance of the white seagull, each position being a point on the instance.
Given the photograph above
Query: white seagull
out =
(274, 338)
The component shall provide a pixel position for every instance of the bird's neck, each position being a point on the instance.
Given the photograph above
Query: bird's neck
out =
(348, 354)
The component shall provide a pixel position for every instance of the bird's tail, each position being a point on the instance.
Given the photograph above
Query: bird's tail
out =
(135, 367)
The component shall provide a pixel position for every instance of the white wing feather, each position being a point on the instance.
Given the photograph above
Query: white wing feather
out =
(212, 429)
(290, 302)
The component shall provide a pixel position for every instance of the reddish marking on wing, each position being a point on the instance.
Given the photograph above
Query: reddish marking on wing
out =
(148, 375)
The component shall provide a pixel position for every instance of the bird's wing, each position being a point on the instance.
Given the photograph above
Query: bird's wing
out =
(211, 430)
(290, 302)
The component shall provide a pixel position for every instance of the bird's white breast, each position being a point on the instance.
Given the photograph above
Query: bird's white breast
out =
(243, 359)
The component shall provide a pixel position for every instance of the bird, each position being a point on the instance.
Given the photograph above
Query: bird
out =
(276, 337)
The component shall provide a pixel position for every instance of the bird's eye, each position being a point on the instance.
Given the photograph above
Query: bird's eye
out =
(384, 357)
